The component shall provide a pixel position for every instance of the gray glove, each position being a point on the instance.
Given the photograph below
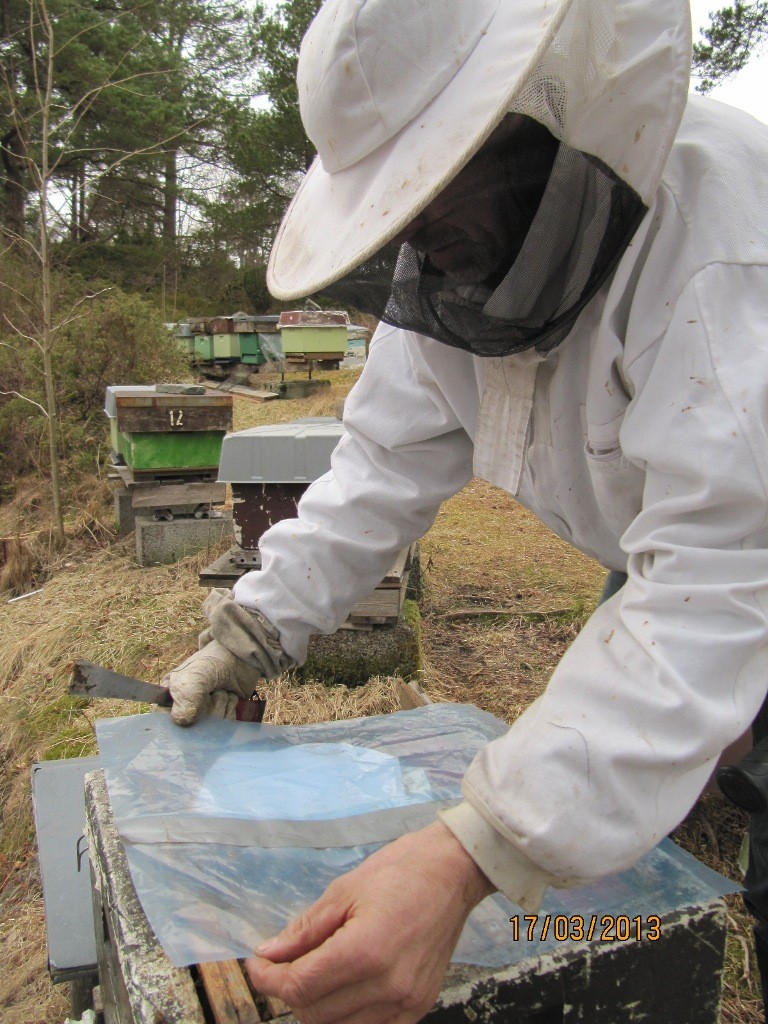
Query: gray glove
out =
(238, 648)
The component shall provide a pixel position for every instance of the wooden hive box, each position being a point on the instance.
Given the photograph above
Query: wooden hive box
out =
(315, 334)
(165, 431)
(675, 977)
(226, 345)
(219, 325)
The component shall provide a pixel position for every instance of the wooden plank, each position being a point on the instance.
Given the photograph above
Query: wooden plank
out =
(126, 474)
(252, 393)
(380, 606)
(243, 392)
(412, 697)
(174, 419)
(276, 1007)
(306, 357)
(394, 577)
(229, 994)
(168, 495)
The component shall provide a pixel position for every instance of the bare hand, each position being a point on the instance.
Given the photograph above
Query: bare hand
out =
(376, 945)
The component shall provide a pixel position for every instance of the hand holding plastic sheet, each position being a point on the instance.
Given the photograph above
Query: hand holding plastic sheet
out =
(379, 940)
(233, 829)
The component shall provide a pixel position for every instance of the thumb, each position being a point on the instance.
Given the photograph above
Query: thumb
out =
(186, 707)
(305, 933)
(190, 693)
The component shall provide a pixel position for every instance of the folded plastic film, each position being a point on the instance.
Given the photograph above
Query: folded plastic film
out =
(231, 829)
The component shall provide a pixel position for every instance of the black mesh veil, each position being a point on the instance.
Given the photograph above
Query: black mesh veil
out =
(509, 252)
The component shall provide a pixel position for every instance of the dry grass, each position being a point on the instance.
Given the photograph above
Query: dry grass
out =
(323, 403)
(29, 548)
(504, 599)
(499, 614)
(26, 993)
(292, 704)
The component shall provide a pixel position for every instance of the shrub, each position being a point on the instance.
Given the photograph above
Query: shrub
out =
(118, 339)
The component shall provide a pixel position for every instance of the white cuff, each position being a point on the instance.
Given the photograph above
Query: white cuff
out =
(513, 874)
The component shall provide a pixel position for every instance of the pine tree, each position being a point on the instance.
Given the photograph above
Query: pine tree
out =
(731, 37)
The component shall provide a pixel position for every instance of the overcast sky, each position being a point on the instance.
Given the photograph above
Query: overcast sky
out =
(749, 88)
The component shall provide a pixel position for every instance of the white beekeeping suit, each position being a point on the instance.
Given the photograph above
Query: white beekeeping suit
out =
(608, 368)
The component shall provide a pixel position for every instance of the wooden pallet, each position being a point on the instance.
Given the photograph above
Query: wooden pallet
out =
(382, 607)
(131, 477)
(254, 394)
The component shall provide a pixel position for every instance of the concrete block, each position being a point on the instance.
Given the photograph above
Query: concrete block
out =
(125, 514)
(158, 543)
(352, 657)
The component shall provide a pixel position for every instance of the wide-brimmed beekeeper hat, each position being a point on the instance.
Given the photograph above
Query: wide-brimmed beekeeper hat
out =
(398, 95)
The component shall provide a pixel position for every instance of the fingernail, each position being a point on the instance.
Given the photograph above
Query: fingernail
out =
(265, 947)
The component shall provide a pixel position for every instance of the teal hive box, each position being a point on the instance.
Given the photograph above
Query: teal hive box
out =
(203, 347)
(250, 349)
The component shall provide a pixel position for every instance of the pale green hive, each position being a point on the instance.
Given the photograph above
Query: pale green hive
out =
(311, 338)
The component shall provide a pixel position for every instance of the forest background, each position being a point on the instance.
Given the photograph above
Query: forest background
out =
(148, 149)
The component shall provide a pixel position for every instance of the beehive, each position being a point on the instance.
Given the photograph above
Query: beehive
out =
(270, 467)
(315, 334)
(152, 431)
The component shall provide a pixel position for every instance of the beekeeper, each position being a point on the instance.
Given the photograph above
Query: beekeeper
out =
(568, 256)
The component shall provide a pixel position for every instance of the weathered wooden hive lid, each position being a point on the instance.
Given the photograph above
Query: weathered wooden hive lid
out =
(154, 394)
(298, 452)
(313, 318)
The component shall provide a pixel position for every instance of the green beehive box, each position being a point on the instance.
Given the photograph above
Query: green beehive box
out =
(308, 339)
(203, 347)
(250, 349)
(157, 431)
(226, 346)
(319, 333)
(144, 452)
(186, 344)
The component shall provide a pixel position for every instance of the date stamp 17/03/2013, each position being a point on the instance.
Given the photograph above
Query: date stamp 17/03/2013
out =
(578, 928)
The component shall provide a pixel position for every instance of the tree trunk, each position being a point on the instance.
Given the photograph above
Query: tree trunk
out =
(170, 199)
(83, 230)
(14, 153)
(74, 220)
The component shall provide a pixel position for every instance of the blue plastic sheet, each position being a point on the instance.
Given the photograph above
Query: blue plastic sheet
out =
(214, 899)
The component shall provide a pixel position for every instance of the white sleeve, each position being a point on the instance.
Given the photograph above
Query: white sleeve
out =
(405, 453)
(674, 667)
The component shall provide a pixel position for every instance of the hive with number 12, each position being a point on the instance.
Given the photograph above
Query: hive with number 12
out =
(152, 431)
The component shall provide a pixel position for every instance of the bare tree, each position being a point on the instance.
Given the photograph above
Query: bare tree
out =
(52, 118)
